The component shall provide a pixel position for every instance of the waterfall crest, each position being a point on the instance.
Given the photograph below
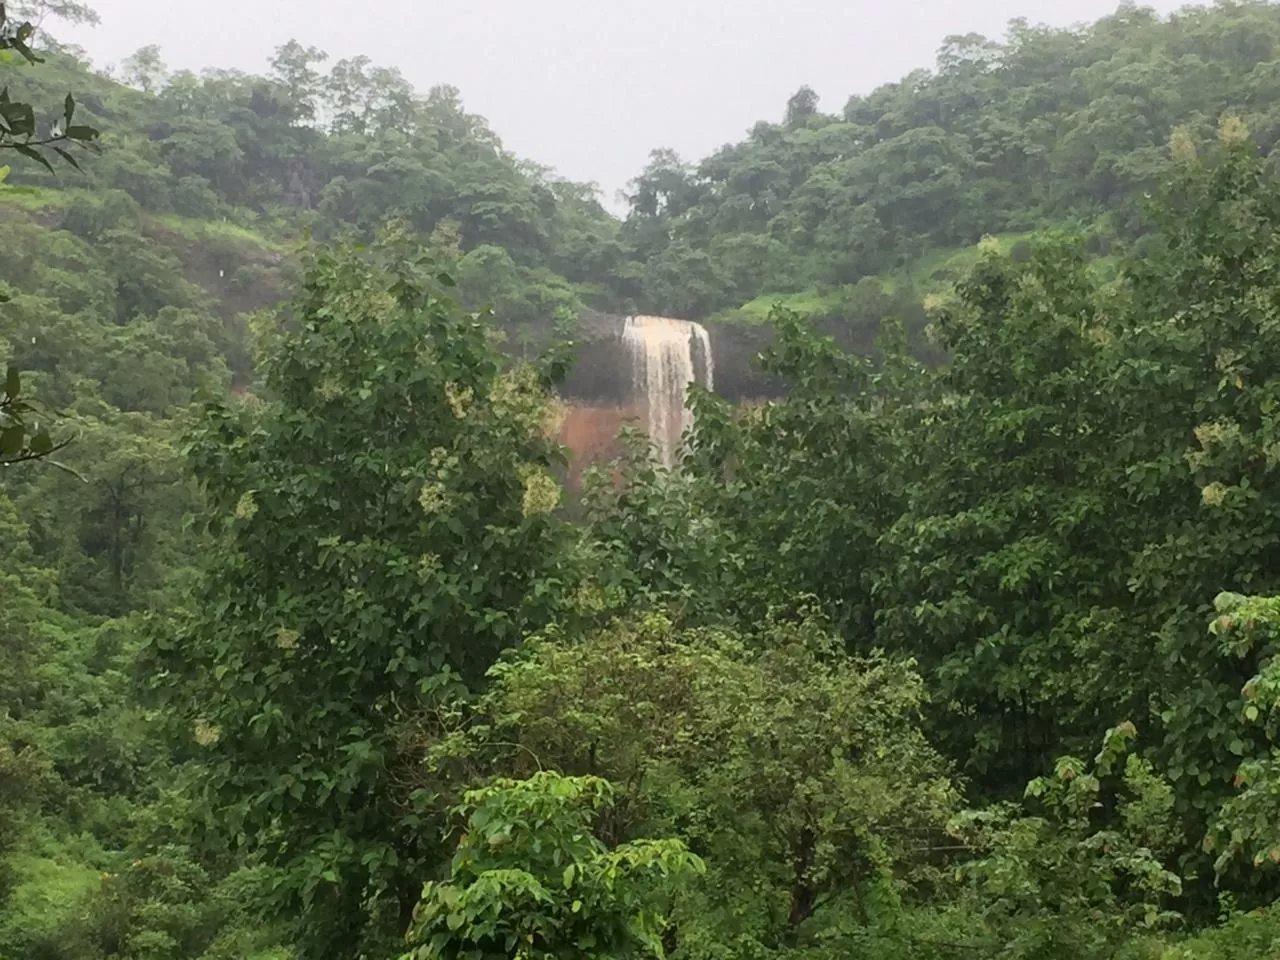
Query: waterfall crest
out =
(664, 361)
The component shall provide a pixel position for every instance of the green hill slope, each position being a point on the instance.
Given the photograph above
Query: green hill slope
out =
(1047, 126)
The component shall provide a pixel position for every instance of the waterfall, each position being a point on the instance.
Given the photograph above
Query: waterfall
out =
(663, 363)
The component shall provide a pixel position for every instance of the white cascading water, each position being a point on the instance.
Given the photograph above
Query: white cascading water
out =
(663, 364)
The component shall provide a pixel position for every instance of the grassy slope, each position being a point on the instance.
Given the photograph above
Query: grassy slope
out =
(211, 251)
(37, 199)
(933, 273)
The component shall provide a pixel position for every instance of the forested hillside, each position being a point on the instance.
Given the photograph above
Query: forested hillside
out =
(1044, 126)
(310, 151)
(306, 659)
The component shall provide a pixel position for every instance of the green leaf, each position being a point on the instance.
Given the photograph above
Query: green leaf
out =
(22, 48)
(80, 132)
(569, 873)
(35, 155)
(11, 440)
(42, 443)
(20, 118)
(13, 383)
(67, 157)
(68, 109)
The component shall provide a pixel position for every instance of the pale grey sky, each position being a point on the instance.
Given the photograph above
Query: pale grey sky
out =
(588, 87)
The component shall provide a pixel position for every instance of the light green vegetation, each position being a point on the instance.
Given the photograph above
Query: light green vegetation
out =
(204, 230)
(306, 659)
(934, 273)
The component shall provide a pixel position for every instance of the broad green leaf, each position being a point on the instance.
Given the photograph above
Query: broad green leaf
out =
(35, 155)
(67, 157)
(41, 443)
(12, 440)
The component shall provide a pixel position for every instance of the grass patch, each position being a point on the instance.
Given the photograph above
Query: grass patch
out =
(806, 303)
(932, 273)
(201, 230)
(35, 198)
(47, 895)
(939, 269)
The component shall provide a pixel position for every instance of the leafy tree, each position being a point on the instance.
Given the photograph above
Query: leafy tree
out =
(21, 440)
(383, 528)
(1198, 479)
(1004, 561)
(145, 69)
(293, 65)
(648, 545)
(800, 777)
(530, 878)
(1245, 823)
(1057, 884)
(363, 98)
(802, 105)
(36, 12)
(807, 483)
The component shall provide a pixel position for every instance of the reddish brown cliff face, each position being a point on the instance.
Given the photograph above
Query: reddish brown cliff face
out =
(591, 436)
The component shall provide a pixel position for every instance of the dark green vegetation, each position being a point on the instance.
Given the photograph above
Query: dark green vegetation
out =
(304, 660)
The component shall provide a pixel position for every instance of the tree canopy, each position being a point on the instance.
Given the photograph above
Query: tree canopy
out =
(310, 654)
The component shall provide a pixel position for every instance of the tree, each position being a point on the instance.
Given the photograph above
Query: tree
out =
(799, 776)
(1244, 827)
(1007, 557)
(145, 69)
(19, 440)
(807, 483)
(294, 67)
(1200, 478)
(802, 105)
(383, 527)
(365, 99)
(37, 12)
(531, 879)
(1048, 882)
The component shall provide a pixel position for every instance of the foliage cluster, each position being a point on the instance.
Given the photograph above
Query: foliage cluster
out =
(335, 676)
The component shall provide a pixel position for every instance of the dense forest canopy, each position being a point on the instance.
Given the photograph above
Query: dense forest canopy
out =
(309, 656)
(1045, 125)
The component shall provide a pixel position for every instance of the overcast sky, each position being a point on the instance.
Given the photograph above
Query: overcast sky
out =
(588, 87)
